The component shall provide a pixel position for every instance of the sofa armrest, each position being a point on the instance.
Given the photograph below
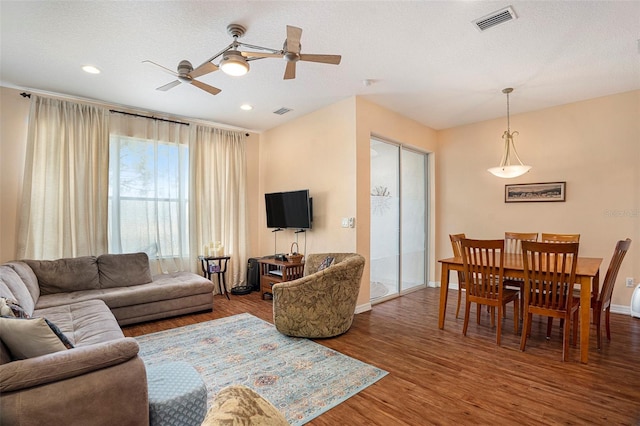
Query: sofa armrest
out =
(61, 365)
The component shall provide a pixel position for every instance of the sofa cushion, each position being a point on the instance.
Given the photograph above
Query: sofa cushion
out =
(123, 270)
(5, 355)
(65, 275)
(18, 290)
(28, 278)
(29, 338)
(85, 323)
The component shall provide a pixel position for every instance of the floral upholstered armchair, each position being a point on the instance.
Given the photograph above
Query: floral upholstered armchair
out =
(321, 303)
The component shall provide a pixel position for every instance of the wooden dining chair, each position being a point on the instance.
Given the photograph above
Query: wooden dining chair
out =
(549, 276)
(513, 244)
(484, 273)
(560, 238)
(456, 245)
(603, 301)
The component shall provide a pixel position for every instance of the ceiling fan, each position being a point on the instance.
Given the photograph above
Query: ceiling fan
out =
(186, 74)
(236, 62)
(291, 52)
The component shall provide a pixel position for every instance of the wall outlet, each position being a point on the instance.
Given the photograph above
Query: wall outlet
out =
(629, 281)
(345, 222)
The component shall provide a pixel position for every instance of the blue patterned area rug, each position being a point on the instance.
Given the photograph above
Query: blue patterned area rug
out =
(303, 379)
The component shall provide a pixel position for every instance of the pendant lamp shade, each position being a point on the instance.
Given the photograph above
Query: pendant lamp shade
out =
(510, 165)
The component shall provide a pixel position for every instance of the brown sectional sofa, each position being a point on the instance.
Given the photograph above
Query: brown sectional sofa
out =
(101, 380)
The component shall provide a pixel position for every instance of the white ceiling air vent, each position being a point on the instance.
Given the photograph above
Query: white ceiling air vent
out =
(496, 18)
(281, 111)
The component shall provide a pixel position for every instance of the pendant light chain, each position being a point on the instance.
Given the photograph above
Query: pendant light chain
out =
(508, 116)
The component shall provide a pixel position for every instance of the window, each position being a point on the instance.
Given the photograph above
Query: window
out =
(148, 197)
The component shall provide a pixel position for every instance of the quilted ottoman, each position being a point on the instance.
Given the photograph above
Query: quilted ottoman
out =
(177, 395)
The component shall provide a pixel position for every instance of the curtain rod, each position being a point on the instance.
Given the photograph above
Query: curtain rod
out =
(146, 116)
(114, 111)
(28, 95)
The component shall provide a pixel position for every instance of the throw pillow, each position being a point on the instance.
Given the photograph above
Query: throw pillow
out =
(65, 341)
(11, 308)
(29, 338)
(328, 261)
(5, 310)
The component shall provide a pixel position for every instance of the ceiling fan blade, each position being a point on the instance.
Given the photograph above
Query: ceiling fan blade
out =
(203, 69)
(169, 85)
(325, 59)
(161, 67)
(290, 71)
(206, 87)
(293, 39)
(261, 55)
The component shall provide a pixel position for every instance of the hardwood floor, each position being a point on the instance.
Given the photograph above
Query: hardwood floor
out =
(442, 377)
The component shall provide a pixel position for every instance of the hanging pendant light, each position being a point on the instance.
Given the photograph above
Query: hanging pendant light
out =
(506, 169)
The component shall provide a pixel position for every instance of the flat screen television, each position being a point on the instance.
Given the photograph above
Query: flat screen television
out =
(291, 209)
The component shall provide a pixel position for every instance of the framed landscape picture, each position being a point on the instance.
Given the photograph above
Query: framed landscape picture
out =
(535, 192)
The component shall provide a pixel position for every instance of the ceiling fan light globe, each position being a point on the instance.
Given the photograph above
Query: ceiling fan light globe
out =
(234, 64)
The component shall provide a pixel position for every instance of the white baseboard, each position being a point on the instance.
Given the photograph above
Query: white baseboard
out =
(621, 309)
(363, 308)
(436, 284)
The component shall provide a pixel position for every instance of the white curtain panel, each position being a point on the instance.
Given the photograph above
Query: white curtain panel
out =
(98, 183)
(218, 194)
(148, 190)
(64, 204)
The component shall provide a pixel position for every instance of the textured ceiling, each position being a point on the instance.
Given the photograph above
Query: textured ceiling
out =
(426, 59)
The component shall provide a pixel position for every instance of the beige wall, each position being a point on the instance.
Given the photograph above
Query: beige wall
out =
(315, 152)
(593, 145)
(328, 152)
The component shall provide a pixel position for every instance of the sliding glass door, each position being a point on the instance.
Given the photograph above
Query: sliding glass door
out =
(398, 219)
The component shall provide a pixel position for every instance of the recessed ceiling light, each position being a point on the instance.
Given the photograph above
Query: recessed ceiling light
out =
(246, 107)
(91, 69)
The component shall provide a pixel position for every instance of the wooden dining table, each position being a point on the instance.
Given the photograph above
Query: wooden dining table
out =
(587, 276)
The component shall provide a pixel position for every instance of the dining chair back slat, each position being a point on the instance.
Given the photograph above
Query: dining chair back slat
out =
(549, 274)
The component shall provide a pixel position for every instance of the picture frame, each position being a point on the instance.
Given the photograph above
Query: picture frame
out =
(535, 192)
